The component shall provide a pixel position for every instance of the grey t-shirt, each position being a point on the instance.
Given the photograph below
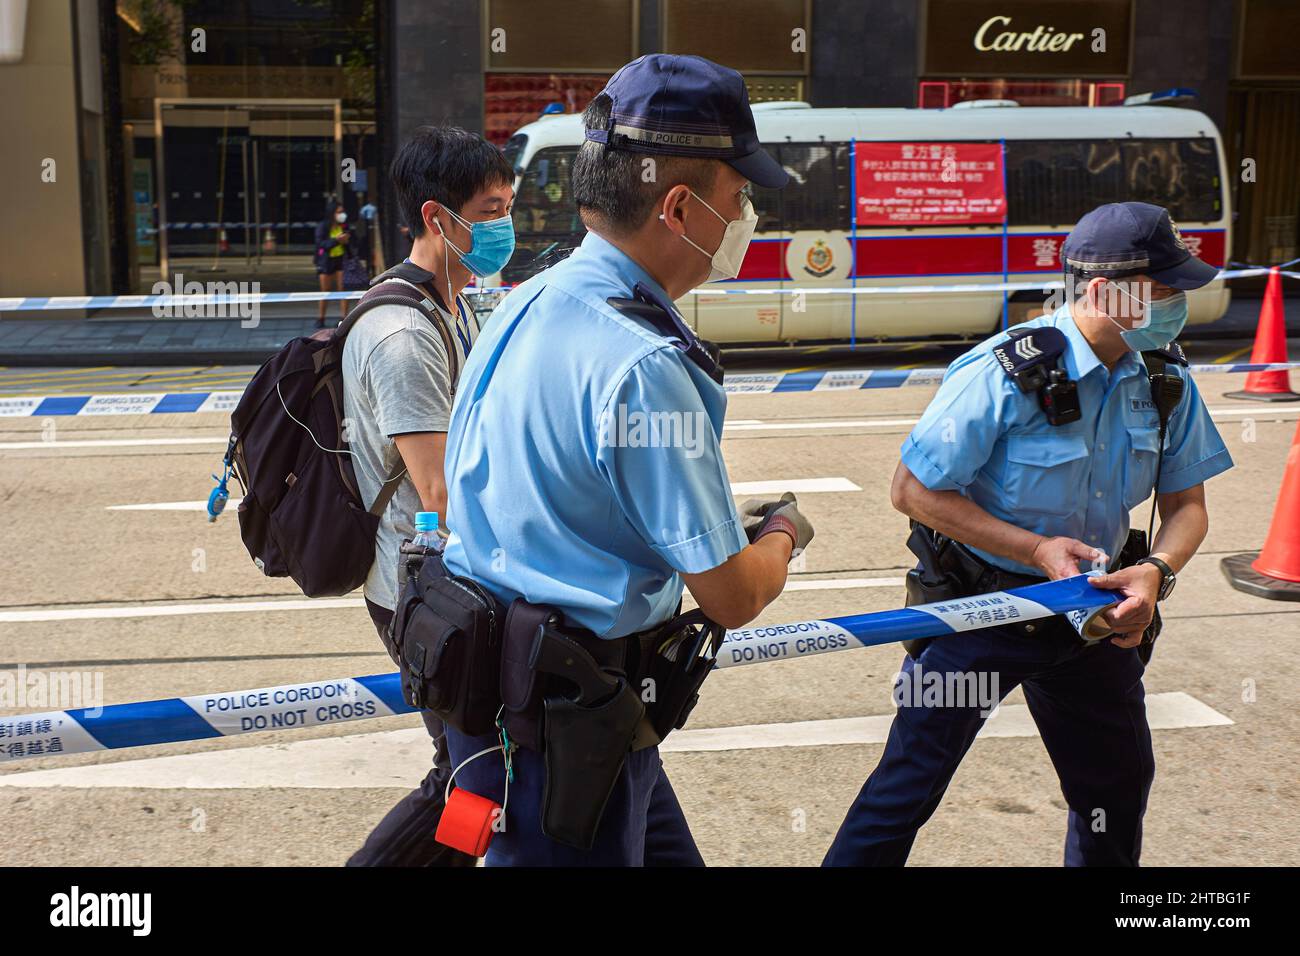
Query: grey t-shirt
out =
(395, 381)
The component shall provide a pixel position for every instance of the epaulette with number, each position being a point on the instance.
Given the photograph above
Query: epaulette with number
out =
(1031, 359)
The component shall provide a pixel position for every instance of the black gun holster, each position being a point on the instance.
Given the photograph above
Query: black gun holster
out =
(945, 570)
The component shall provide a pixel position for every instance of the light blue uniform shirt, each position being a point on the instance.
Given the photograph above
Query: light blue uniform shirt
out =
(583, 467)
(983, 437)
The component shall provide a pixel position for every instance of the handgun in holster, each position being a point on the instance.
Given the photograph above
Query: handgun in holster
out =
(928, 581)
(590, 717)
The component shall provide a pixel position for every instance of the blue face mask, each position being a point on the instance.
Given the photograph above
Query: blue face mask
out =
(1164, 320)
(492, 243)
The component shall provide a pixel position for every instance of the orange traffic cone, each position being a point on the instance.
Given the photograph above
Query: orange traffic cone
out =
(223, 243)
(1270, 347)
(1275, 572)
(268, 241)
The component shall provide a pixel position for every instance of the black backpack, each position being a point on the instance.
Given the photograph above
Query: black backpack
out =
(302, 515)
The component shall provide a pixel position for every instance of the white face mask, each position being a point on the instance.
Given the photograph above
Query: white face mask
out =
(731, 250)
(341, 217)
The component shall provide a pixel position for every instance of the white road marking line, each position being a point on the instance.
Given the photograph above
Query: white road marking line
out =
(802, 485)
(173, 506)
(170, 610)
(37, 615)
(1261, 410)
(400, 758)
(833, 584)
(780, 486)
(783, 426)
(1164, 712)
(110, 443)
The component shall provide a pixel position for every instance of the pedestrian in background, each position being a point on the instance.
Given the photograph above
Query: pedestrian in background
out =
(332, 238)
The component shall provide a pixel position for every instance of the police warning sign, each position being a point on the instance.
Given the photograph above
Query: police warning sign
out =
(919, 184)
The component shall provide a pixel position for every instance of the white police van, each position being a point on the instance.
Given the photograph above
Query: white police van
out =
(1060, 162)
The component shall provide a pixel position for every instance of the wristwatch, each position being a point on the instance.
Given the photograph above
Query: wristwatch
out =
(1170, 579)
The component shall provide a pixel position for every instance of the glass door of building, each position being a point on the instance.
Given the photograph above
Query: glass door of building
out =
(241, 186)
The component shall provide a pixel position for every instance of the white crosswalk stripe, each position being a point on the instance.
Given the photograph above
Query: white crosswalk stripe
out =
(38, 614)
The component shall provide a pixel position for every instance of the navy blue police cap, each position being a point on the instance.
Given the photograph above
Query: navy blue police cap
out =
(686, 106)
(1132, 238)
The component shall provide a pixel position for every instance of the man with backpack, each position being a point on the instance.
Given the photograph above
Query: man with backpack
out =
(400, 366)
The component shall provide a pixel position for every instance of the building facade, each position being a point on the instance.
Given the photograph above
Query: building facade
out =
(148, 138)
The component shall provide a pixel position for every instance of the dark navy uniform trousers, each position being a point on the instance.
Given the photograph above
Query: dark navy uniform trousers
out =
(643, 824)
(1088, 703)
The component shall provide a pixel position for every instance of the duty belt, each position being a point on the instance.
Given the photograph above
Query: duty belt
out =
(585, 703)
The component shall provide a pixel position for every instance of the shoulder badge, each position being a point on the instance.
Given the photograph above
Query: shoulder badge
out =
(1030, 358)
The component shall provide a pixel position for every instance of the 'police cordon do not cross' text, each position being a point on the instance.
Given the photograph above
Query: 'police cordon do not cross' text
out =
(316, 703)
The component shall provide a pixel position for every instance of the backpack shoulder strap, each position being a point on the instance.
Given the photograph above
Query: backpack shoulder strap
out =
(388, 488)
(399, 293)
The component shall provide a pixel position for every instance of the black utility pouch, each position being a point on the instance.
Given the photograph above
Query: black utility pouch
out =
(448, 648)
(679, 664)
(521, 692)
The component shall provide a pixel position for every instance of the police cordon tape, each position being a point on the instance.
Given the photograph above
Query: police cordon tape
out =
(759, 383)
(316, 703)
(173, 302)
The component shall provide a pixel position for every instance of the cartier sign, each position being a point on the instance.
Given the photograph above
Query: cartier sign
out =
(1027, 38)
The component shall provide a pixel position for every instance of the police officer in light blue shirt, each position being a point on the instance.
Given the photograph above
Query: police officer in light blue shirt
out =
(1024, 468)
(584, 467)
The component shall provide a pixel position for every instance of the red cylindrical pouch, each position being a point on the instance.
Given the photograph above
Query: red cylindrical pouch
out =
(466, 823)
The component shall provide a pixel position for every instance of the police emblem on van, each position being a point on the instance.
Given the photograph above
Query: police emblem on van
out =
(820, 259)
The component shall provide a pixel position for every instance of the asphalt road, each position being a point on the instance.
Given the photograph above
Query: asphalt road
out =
(1225, 790)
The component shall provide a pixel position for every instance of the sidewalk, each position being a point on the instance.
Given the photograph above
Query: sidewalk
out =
(124, 340)
(72, 342)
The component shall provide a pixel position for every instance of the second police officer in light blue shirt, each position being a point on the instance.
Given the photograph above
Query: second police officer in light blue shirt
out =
(584, 467)
(1027, 463)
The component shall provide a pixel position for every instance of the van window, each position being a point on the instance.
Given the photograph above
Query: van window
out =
(817, 196)
(514, 150)
(546, 220)
(1055, 182)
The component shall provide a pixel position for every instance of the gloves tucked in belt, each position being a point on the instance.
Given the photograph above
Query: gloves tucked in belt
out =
(763, 517)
